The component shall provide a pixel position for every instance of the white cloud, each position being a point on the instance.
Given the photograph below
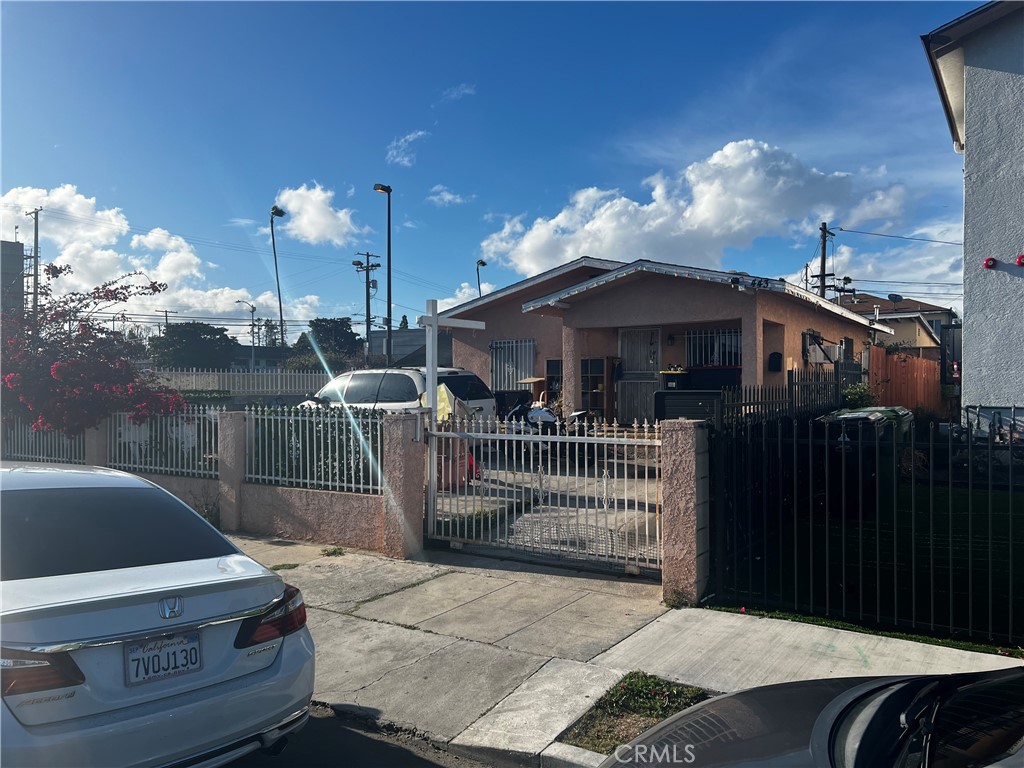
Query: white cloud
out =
(742, 192)
(67, 217)
(466, 292)
(177, 262)
(244, 223)
(74, 231)
(455, 93)
(400, 152)
(882, 204)
(442, 197)
(351, 191)
(311, 218)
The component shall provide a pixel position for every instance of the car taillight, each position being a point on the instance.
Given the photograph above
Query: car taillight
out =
(25, 672)
(287, 616)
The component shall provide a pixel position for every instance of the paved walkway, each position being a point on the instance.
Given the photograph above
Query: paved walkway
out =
(495, 658)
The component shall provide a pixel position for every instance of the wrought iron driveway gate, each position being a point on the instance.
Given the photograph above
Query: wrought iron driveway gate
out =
(590, 494)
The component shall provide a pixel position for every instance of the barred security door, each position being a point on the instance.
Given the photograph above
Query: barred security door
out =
(511, 361)
(640, 350)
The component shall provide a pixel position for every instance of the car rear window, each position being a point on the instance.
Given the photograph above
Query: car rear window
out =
(372, 388)
(466, 387)
(52, 532)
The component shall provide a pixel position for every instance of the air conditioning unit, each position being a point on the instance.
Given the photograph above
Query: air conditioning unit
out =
(827, 353)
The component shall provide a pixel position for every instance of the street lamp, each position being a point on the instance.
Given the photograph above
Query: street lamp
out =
(276, 213)
(252, 333)
(479, 263)
(387, 191)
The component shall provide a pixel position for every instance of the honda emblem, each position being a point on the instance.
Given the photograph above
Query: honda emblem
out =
(172, 607)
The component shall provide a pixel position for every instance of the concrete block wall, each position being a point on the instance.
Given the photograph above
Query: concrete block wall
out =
(390, 524)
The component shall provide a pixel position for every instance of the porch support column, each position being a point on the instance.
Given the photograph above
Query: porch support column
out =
(753, 346)
(686, 541)
(571, 344)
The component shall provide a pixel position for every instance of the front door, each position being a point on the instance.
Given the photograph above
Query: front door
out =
(638, 378)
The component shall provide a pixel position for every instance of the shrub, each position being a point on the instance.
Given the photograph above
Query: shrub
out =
(858, 396)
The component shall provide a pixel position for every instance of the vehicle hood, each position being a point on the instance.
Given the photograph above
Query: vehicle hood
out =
(769, 726)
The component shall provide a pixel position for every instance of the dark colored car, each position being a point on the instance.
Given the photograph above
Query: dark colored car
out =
(944, 721)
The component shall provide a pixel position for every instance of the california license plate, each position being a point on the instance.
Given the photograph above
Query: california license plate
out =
(161, 658)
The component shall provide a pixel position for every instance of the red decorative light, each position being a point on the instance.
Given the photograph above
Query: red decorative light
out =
(989, 263)
(1020, 260)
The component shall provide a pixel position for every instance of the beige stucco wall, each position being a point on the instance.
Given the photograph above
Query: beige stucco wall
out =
(505, 320)
(798, 316)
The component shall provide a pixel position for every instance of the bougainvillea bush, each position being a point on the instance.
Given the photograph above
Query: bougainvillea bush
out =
(63, 369)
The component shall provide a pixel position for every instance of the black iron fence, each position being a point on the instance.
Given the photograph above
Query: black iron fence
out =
(888, 523)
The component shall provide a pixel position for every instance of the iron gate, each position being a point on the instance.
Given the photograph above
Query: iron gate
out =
(590, 494)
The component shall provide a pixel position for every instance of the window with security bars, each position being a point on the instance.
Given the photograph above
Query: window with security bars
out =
(512, 361)
(715, 348)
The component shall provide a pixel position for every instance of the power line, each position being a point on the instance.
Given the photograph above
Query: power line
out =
(905, 282)
(899, 237)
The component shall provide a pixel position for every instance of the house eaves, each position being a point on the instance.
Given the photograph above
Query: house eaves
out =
(530, 282)
(740, 280)
(944, 48)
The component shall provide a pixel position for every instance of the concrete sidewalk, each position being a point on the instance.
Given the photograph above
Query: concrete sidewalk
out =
(495, 659)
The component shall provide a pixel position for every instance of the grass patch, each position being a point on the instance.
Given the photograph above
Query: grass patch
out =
(284, 566)
(332, 551)
(634, 704)
(823, 621)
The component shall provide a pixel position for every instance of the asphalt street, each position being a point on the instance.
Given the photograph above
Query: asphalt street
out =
(329, 741)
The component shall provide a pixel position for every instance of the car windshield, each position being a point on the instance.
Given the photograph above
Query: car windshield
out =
(465, 387)
(374, 388)
(53, 532)
(981, 723)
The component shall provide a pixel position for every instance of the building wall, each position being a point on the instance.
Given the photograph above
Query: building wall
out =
(796, 317)
(993, 333)
(505, 320)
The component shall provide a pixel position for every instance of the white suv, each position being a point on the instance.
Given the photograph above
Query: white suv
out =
(399, 389)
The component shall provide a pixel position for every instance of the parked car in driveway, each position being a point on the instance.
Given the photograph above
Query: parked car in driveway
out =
(400, 389)
(132, 633)
(944, 721)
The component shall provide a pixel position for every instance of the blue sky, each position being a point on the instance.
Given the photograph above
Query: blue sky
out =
(156, 136)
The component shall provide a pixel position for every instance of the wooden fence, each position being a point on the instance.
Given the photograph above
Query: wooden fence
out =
(908, 381)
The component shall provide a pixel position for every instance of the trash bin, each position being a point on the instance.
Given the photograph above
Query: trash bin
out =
(894, 417)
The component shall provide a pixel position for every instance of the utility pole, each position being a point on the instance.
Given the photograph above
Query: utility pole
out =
(367, 268)
(825, 234)
(167, 320)
(35, 265)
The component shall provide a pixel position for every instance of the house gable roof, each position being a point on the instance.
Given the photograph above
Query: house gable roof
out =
(944, 48)
(531, 283)
(864, 304)
(914, 317)
(560, 299)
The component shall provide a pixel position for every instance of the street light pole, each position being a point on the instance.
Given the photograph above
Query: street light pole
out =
(252, 333)
(479, 263)
(276, 212)
(387, 190)
(367, 268)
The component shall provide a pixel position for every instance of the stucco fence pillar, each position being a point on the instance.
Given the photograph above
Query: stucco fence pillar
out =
(686, 540)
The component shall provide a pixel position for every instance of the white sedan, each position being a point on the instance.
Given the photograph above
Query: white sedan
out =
(133, 633)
